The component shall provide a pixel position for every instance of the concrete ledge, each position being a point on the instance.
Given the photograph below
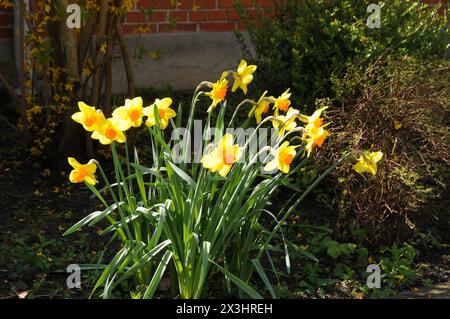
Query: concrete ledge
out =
(188, 59)
(6, 50)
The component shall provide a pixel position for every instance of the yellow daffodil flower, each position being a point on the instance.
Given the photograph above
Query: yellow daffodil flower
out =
(218, 92)
(314, 137)
(109, 132)
(262, 107)
(282, 102)
(89, 117)
(164, 111)
(286, 122)
(284, 156)
(367, 162)
(397, 125)
(129, 115)
(243, 76)
(82, 172)
(222, 158)
(315, 118)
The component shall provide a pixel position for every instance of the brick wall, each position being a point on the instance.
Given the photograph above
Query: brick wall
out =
(6, 24)
(198, 15)
(190, 15)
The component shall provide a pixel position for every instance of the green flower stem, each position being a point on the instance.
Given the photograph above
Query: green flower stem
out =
(94, 190)
(238, 108)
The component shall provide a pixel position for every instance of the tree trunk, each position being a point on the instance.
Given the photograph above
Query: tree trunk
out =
(71, 144)
(126, 59)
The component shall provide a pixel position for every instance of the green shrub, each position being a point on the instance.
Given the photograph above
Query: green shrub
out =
(304, 44)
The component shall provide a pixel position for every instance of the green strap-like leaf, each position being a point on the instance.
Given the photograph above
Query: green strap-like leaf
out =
(182, 174)
(158, 275)
(238, 282)
(147, 258)
(92, 218)
(202, 268)
(264, 277)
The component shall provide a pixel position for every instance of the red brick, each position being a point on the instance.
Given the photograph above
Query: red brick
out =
(218, 26)
(225, 3)
(197, 16)
(198, 4)
(5, 20)
(217, 15)
(138, 17)
(230, 3)
(6, 33)
(183, 4)
(265, 3)
(5, 9)
(179, 27)
(158, 16)
(253, 13)
(242, 26)
(155, 4)
(233, 15)
(131, 28)
(135, 17)
(178, 15)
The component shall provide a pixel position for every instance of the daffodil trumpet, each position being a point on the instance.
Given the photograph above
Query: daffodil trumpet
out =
(283, 102)
(222, 157)
(314, 119)
(284, 156)
(82, 172)
(265, 99)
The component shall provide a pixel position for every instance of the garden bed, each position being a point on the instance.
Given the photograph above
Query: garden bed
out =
(39, 205)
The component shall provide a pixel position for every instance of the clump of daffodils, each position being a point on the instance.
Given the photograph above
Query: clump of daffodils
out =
(110, 130)
(196, 215)
(285, 118)
(123, 118)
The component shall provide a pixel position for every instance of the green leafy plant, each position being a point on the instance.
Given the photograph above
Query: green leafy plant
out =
(397, 266)
(304, 44)
(333, 267)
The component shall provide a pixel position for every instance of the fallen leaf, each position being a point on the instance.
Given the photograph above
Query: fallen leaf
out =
(23, 294)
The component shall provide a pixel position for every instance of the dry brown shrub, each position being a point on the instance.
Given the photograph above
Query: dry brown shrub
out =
(400, 107)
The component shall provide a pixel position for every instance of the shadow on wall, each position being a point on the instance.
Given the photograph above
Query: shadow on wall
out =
(7, 65)
(187, 59)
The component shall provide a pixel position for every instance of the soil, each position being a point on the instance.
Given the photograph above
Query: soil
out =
(37, 206)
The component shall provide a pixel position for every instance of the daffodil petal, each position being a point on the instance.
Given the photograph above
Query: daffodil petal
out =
(73, 162)
(271, 166)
